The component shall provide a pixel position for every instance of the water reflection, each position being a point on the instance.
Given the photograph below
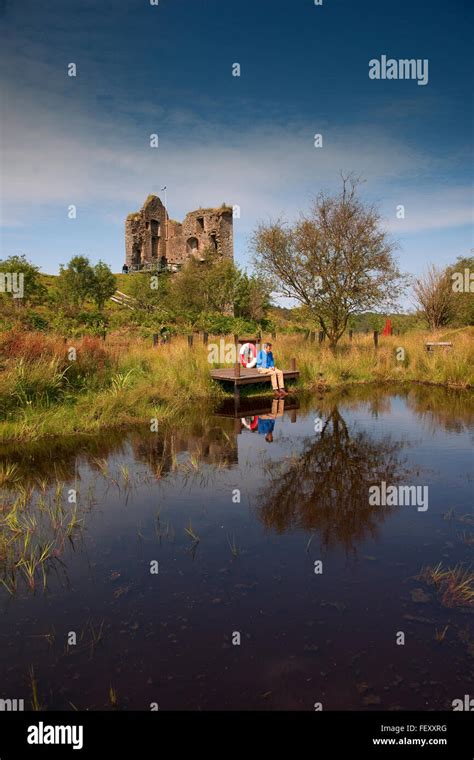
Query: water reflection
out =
(166, 637)
(325, 487)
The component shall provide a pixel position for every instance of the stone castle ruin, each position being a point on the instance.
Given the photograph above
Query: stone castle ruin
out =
(153, 241)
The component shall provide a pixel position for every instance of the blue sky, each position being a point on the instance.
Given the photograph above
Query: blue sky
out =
(247, 140)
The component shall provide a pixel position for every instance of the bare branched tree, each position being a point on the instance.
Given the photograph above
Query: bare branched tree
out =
(434, 296)
(337, 261)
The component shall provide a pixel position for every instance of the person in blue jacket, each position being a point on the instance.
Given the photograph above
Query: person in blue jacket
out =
(266, 366)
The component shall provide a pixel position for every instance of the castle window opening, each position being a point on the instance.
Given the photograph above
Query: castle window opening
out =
(192, 245)
(200, 223)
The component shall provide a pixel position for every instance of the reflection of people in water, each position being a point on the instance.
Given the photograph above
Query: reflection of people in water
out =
(266, 422)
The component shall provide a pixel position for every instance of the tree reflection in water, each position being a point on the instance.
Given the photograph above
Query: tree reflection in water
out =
(326, 487)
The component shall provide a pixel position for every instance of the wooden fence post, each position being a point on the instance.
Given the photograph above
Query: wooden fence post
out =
(350, 335)
(190, 341)
(376, 339)
(205, 338)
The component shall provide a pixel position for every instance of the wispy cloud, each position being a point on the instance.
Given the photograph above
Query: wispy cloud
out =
(57, 152)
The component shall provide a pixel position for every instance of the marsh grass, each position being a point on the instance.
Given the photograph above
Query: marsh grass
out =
(113, 698)
(441, 635)
(359, 362)
(455, 586)
(9, 474)
(35, 526)
(191, 533)
(234, 549)
(43, 393)
(35, 703)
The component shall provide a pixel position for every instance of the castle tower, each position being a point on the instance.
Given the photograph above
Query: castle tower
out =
(153, 241)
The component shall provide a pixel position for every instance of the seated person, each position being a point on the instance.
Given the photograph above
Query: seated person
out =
(266, 366)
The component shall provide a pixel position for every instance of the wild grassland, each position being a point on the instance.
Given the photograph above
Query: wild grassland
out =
(44, 392)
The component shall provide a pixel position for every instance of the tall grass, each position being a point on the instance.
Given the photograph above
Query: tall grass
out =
(397, 359)
(43, 391)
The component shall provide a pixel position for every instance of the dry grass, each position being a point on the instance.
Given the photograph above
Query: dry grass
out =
(401, 358)
(455, 586)
(121, 382)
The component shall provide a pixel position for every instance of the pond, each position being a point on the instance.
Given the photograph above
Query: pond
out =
(235, 560)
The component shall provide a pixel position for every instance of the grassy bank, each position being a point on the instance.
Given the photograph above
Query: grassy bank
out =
(43, 391)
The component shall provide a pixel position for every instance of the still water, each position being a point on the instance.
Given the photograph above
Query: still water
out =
(233, 560)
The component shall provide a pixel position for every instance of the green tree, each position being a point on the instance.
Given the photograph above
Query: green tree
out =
(151, 292)
(461, 276)
(76, 281)
(34, 292)
(251, 297)
(337, 261)
(103, 284)
(204, 287)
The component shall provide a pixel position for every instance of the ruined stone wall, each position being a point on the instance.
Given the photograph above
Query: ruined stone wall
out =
(146, 233)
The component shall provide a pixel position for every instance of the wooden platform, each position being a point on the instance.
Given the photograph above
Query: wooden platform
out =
(248, 376)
